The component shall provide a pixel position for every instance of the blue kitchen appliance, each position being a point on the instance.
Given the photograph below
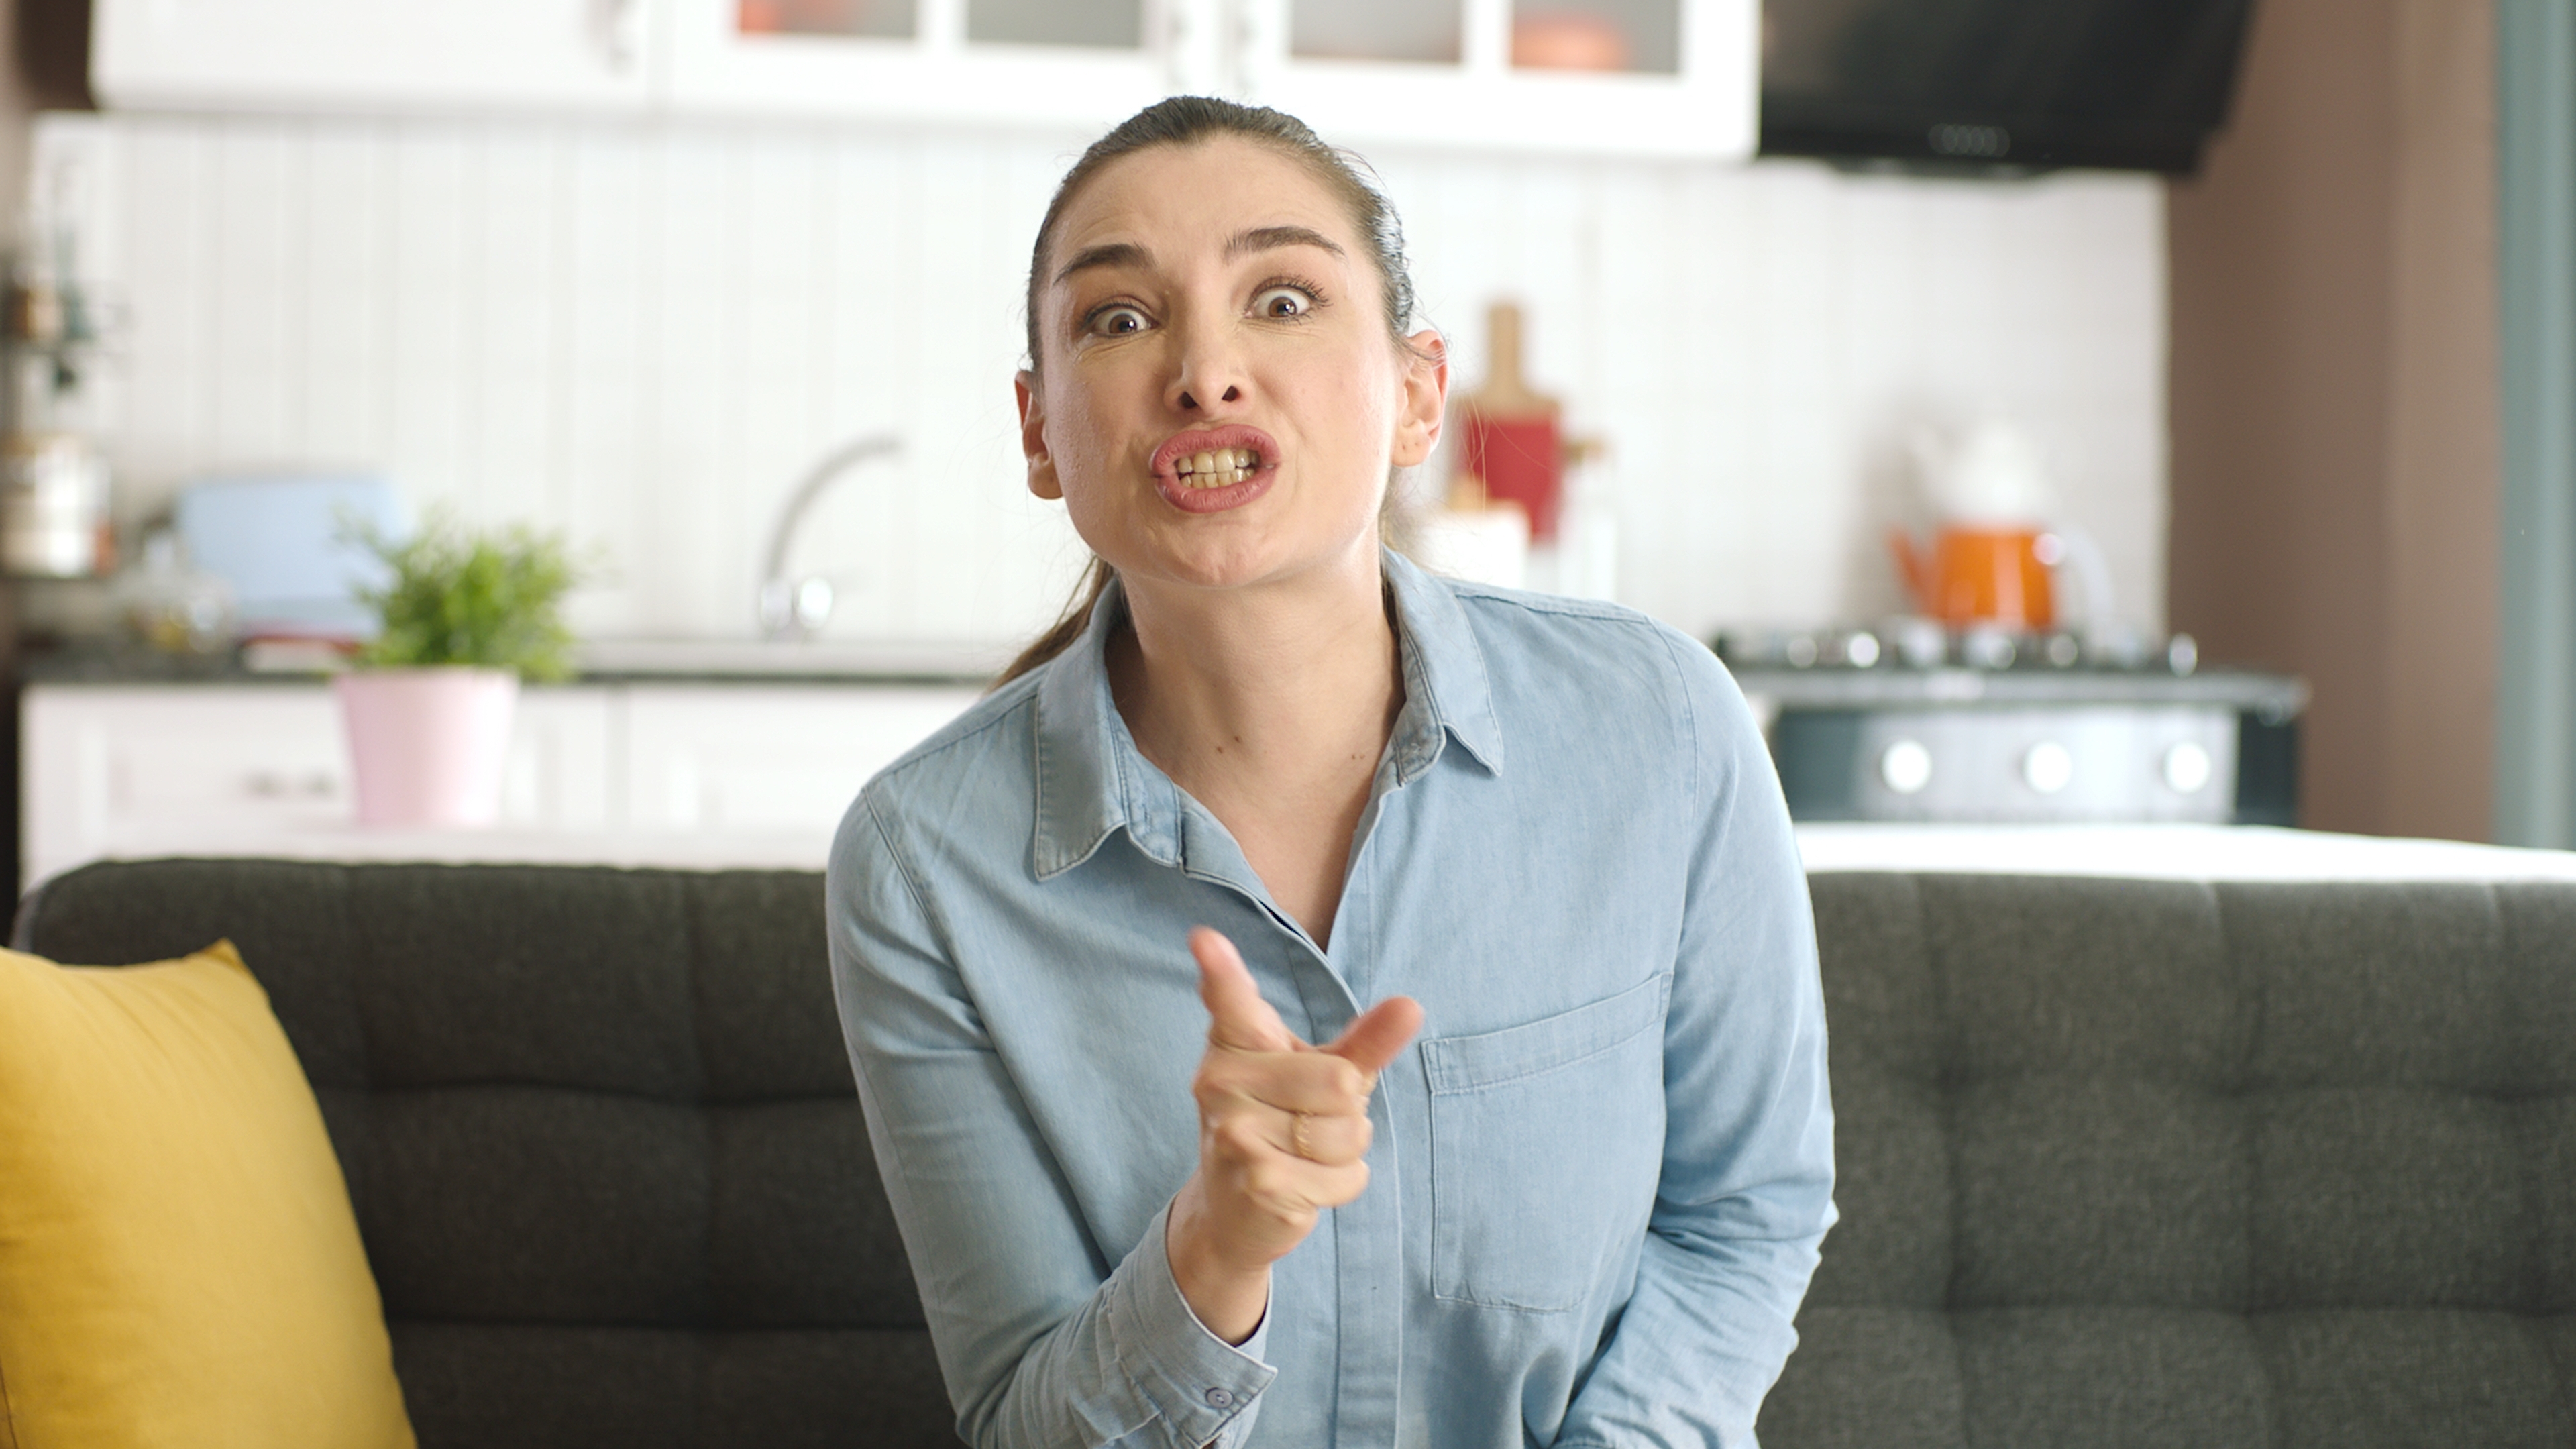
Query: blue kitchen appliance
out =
(289, 546)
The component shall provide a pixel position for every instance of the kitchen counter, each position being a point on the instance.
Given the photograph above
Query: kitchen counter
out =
(601, 661)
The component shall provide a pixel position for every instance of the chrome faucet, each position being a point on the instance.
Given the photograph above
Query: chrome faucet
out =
(797, 608)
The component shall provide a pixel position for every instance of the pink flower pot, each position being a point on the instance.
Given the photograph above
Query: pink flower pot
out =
(427, 747)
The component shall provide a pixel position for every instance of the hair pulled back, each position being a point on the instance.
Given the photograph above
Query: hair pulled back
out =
(1189, 121)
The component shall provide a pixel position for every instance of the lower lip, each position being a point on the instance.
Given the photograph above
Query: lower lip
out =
(1213, 500)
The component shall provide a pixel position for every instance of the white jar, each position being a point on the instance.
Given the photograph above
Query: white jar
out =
(53, 507)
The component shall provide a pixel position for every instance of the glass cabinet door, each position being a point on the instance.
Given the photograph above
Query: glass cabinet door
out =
(1657, 77)
(1637, 36)
(1092, 24)
(886, 19)
(1429, 32)
(1085, 63)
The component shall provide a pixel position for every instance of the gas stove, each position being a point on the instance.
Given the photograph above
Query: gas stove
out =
(1914, 722)
(1924, 644)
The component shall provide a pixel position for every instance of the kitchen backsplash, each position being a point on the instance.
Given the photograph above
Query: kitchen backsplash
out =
(644, 335)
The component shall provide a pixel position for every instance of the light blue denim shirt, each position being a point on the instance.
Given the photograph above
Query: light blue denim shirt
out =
(1600, 1174)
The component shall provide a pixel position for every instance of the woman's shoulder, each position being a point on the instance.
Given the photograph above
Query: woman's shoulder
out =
(963, 769)
(1585, 668)
(1587, 639)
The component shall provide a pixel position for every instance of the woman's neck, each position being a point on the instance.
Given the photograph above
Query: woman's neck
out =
(1270, 706)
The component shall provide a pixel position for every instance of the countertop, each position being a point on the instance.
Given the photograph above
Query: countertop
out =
(936, 661)
(604, 661)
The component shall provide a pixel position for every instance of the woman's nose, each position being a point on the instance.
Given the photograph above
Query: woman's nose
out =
(1209, 374)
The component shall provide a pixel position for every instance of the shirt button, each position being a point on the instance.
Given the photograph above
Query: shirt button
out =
(1220, 1399)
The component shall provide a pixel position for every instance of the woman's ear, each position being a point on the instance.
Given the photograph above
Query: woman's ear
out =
(1033, 445)
(1425, 360)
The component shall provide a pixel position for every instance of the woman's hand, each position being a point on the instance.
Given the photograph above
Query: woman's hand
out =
(1283, 1127)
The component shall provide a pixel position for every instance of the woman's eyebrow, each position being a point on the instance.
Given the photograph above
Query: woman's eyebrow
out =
(1108, 254)
(1269, 238)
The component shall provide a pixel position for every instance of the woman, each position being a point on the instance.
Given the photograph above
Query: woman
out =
(1541, 834)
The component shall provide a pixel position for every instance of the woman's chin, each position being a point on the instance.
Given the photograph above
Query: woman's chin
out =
(1205, 558)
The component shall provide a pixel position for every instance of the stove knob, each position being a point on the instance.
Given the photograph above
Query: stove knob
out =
(1906, 767)
(2047, 767)
(2187, 768)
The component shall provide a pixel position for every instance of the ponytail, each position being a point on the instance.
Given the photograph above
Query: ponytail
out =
(1068, 626)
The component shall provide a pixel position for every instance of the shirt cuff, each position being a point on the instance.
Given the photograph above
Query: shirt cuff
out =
(1206, 1388)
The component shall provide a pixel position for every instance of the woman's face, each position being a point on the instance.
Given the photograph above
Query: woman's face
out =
(1217, 400)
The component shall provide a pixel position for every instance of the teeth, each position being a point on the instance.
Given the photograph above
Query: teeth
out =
(1218, 468)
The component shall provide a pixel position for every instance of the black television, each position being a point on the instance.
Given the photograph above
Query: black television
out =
(1998, 87)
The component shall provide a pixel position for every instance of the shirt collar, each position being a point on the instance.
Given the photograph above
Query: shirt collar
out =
(1091, 780)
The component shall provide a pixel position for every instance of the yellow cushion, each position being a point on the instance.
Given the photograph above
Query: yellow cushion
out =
(178, 1260)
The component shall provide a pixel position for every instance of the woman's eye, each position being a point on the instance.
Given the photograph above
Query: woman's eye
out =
(1117, 322)
(1282, 302)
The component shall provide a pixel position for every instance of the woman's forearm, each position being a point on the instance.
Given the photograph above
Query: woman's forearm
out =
(1228, 1299)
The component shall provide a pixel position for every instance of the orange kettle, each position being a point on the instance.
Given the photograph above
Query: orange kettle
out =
(1989, 563)
(1981, 575)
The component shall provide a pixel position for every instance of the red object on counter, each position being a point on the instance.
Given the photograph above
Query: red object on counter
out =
(1508, 434)
(1521, 459)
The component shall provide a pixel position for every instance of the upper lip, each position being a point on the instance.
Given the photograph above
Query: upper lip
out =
(1167, 458)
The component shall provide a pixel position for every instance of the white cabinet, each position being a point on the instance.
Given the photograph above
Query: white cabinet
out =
(1081, 63)
(239, 768)
(767, 759)
(1656, 77)
(588, 56)
(704, 775)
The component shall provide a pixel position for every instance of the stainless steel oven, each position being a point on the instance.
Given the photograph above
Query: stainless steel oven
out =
(2080, 740)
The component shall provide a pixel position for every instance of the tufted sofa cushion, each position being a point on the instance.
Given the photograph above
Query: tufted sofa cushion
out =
(599, 1130)
(2122, 1163)
(2143, 1163)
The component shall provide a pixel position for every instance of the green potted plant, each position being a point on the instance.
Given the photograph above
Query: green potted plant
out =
(464, 615)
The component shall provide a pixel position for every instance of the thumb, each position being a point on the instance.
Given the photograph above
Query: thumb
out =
(1237, 1016)
(1373, 1039)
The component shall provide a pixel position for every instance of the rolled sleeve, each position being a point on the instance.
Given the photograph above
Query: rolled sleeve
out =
(1208, 1390)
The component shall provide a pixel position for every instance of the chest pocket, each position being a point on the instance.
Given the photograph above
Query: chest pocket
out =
(1546, 1143)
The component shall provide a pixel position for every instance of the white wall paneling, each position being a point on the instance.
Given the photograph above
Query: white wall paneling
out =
(643, 333)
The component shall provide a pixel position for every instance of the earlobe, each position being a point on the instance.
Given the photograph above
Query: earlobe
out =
(1033, 445)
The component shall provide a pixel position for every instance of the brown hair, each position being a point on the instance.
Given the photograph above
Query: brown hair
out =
(1185, 121)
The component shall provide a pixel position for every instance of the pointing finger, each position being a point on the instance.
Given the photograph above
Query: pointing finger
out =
(1372, 1041)
(1237, 1016)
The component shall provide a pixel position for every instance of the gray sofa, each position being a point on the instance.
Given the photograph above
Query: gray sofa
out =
(2124, 1163)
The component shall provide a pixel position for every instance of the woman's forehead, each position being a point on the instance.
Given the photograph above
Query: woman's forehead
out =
(1180, 202)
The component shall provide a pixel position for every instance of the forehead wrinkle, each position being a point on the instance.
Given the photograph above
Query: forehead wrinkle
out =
(1271, 238)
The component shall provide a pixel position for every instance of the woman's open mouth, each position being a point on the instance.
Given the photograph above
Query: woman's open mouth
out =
(1217, 468)
(1210, 470)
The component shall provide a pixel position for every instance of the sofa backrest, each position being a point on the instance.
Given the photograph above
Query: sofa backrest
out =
(2150, 1163)
(600, 1133)
(2122, 1163)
